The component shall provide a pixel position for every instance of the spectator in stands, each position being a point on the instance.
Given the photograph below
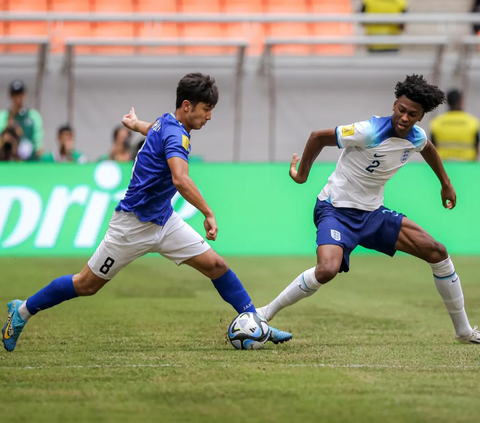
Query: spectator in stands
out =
(384, 6)
(65, 151)
(31, 142)
(476, 9)
(121, 148)
(9, 141)
(455, 133)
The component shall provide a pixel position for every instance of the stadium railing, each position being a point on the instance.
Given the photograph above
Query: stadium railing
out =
(41, 60)
(267, 62)
(447, 25)
(240, 46)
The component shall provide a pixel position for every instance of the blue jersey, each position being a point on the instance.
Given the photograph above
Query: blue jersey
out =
(151, 188)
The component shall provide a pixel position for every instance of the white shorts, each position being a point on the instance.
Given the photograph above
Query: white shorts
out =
(128, 238)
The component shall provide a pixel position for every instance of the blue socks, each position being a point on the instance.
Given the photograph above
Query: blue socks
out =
(61, 289)
(58, 291)
(232, 291)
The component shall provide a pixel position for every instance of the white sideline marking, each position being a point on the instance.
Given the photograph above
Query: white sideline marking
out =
(320, 365)
(384, 366)
(92, 366)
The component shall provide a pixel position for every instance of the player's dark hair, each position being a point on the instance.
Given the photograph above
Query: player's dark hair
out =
(416, 89)
(197, 88)
(453, 98)
(64, 128)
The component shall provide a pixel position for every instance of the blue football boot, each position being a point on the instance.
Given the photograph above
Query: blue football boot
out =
(279, 336)
(13, 326)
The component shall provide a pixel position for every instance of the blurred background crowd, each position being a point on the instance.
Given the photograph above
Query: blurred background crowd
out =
(22, 136)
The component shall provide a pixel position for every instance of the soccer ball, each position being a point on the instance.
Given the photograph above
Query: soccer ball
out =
(248, 331)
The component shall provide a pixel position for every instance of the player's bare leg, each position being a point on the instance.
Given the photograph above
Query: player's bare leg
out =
(329, 260)
(229, 287)
(417, 242)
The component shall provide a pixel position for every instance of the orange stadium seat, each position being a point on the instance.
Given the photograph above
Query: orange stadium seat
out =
(114, 6)
(332, 28)
(287, 29)
(113, 29)
(157, 6)
(253, 32)
(201, 30)
(70, 5)
(158, 29)
(26, 5)
(25, 29)
(2, 33)
(243, 6)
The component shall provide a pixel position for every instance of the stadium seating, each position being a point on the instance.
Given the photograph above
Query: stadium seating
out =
(255, 32)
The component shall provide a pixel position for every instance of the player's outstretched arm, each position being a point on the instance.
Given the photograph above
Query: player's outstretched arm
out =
(430, 154)
(189, 191)
(131, 122)
(315, 144)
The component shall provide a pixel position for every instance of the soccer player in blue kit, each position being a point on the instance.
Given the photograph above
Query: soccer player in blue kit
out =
(350, 212)
(145, 222)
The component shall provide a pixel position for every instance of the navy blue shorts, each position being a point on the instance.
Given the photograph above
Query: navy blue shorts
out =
(377, 230)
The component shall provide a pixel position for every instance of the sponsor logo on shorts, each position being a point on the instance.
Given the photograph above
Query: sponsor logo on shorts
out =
(337, 236)
(394, 213)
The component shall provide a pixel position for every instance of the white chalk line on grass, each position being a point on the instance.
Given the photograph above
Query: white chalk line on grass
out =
(91, 366)
(305, 365)
(384, 366)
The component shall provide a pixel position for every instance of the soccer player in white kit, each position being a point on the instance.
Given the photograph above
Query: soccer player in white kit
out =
(350, 211)
(145, 222)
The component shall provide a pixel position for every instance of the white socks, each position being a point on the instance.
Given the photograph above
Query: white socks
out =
(23, 311)
(449, 287)
(303, 286)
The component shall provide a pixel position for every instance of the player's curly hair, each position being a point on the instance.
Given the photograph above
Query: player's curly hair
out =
(416, 88)
(197, 88)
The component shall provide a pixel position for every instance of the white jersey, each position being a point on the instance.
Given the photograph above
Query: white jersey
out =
(372, 155)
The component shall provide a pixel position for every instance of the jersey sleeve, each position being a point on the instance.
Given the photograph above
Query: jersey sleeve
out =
(175, 143)
(420, 138)
(359, 134)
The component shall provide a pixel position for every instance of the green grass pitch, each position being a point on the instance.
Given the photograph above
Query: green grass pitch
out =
(374, 345)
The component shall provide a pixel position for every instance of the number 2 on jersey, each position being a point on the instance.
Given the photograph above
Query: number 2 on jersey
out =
(372, 167)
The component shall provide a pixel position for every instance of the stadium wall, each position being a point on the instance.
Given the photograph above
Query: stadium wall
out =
(63, 209)
(307, 99)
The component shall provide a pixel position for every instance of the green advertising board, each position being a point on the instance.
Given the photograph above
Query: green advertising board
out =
(64, 209)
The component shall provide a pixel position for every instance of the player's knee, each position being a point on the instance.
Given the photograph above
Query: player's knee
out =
(216, 267)
(437, 252)
(221, 266)
(86, 286)
(325, 272)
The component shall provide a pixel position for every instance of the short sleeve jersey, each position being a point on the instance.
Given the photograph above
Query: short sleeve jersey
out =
(151, 188)
(372, 154)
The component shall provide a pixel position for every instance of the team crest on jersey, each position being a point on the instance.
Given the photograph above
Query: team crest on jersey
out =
(405, 155)
(348, 131)
(185, 142)
(335, 235)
